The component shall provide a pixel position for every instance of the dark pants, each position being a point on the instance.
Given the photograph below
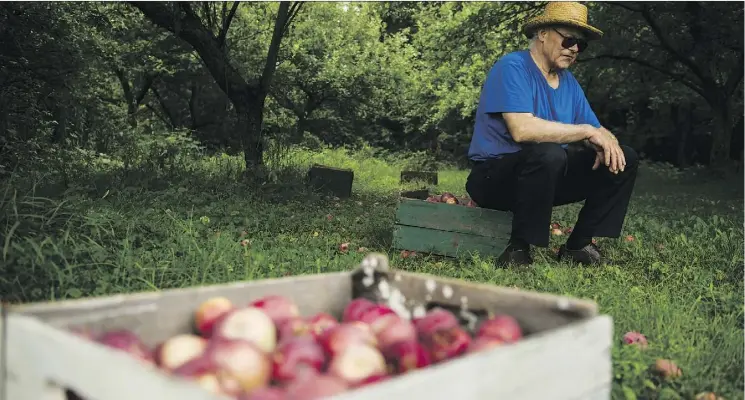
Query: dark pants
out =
(531, 182)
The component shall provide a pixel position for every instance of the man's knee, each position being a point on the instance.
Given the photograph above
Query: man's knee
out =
(549, 155)
(631, 156)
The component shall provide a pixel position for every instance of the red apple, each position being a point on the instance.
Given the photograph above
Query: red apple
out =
(555, 225)
(265, 393)
(556, 232)
(128, 342)
(395, 329)
(209, 312)
(276, 307)
(357, 362)
(502, 327)
(292, 327)
(667, 369)
(210, 383)
(636, 339)
(405, 356)
(344, 247)
(355, 308)
(315, 387)
(239, 365)
(294, 355)
(319, 323)
(448, 198)
(377, 317)
(433, 199)
(346, 334)
(482, 343)
(250, 324)
(629, 238)
(446, 344)
(435, 319)
(178, 350)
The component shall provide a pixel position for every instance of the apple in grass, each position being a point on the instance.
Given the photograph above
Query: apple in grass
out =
(250, 324)
(276, 307)
(295, 356)
(178, 350)
(448, 198)
(357, 362)
(503, 327)
(209, 312)
(128, 342)
(239, 366)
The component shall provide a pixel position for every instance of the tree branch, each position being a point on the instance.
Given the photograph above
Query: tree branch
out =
(678, 77)
(226, 23)
(271, 59)
(667, 45)
(735, 76)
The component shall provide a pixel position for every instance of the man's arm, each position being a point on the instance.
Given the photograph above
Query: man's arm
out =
(525, 127)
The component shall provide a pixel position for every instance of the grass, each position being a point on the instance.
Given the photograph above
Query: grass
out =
(680, 282)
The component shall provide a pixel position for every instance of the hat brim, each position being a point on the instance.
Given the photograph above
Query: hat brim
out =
(591, 32)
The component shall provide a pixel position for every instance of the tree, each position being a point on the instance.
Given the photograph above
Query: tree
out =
(209, 40)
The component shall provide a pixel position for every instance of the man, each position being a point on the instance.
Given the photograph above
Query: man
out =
(531, 109)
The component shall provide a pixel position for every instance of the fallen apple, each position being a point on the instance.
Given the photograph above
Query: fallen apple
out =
(708, 396)
(315, 387)
(128, 342)
(635, 339)
(405, 253)
(356, 308)
(405, 356)
(340, 337)
(629, 238)
(344, 247)
(556, 232)
(503, 327)
(178, 350)
(294, 355)
(448, 198)
(446, 344)
(277, 307)
(667, 369)
(209, 312)
(250, 324)
(357, 362)
(434, 320)
(555, 225)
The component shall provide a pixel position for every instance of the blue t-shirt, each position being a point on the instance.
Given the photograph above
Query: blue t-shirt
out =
(516, 84)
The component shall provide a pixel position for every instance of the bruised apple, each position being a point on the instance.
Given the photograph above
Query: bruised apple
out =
(356, 308)
(291, 328)
(435, 319)
(395, 329)
(357, 362)
(319, 323)
(405, 356)
(239, 365)
(377, 317)
(209, 312)
(128, 342)
(446, 344)
(250, 324)
(276, 307)
(178, 350)
(347, 334)
(294, 356)
(503, 327)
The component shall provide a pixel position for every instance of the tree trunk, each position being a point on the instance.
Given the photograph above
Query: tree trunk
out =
(721, 136)
(250, 124)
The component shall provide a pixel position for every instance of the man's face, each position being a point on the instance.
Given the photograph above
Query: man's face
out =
(560, 57)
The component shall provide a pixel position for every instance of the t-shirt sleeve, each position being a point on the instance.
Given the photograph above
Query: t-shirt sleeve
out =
(583, 113)
(507, 89)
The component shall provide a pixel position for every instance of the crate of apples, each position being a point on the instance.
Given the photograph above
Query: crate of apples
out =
(267, 350)
(449, 198)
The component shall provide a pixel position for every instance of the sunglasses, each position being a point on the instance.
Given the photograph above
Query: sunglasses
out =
(570, 41)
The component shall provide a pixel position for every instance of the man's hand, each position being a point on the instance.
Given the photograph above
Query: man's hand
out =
(608, 150)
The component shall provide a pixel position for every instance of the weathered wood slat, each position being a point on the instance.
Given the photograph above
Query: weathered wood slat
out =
(444, 243)
(336, 181)
(454, 218)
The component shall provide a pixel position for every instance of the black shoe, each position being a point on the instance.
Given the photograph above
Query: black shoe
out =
(589, 255)
(515, 255)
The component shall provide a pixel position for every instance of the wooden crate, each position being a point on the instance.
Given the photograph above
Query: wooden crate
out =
(565, 353)
(450, 230)
(429, 177)
(336, 181)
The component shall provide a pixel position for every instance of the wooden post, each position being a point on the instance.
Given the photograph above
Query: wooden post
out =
(336, 181)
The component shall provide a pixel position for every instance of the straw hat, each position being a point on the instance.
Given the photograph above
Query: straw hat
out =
(563, 13)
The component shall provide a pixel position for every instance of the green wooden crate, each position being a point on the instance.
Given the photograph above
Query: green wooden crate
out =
(450, 230)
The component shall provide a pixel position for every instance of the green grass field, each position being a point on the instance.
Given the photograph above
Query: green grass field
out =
(680, 282)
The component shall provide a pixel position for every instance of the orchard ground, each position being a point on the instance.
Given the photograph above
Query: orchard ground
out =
(679, 282)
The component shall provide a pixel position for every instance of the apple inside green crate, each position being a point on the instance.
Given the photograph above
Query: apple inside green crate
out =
(268, 350)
